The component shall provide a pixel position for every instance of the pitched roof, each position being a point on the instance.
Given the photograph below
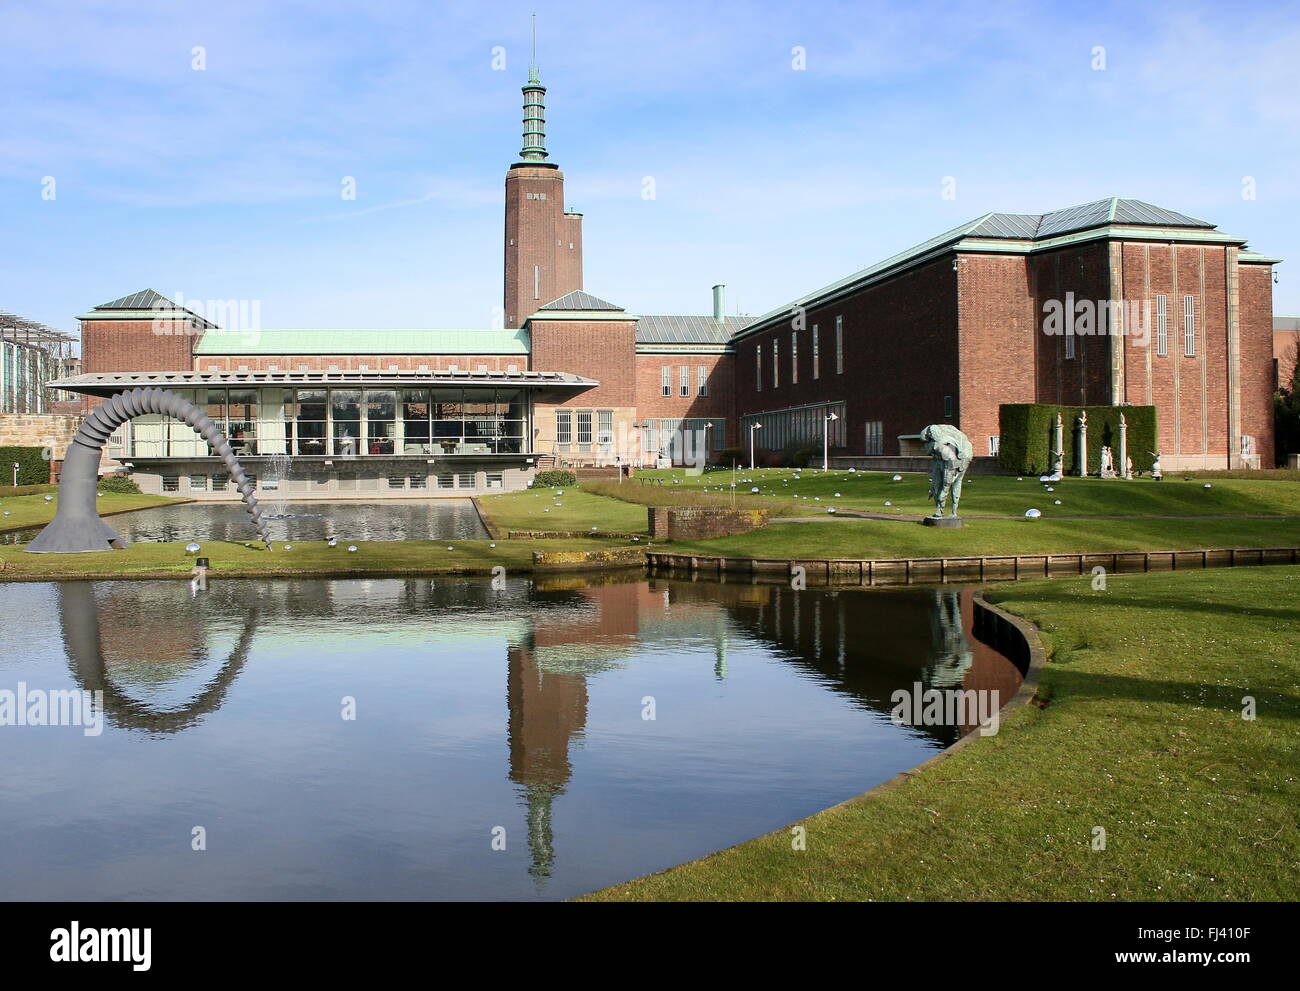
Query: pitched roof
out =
(579, 300)
(145, 299)
(1018, 227)
(661, 329)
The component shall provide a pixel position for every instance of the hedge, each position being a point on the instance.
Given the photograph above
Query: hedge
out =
(553, 478)
(1027, 436)
(33, 469)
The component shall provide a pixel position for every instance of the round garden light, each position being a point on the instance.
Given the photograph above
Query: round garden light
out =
(898, 478)
(888, 503)
(331, 542)
(1032, 514)
(830, 509)
(288, 547)
(1058, 502)
(192, 548)
(51, 498)
(352, 548)
(1207, 485)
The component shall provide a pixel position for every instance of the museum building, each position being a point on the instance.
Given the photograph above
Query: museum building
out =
(1115, 301)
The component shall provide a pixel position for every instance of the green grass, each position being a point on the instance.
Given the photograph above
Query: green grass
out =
(982, 495)
(33, 510)
(150, 560)
(1143, 736)
(577, 510)
(817, 540)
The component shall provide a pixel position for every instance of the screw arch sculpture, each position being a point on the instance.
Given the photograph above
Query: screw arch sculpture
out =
(76, 526)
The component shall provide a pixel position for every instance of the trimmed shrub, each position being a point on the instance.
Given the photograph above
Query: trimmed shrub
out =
(33, 469)
(553, 478)
(1027, 429)
(118, 483)
(730, 454)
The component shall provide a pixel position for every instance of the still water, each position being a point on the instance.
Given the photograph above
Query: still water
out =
(516, 714)
(428, 519)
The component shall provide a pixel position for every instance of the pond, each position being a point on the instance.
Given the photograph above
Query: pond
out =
(429, 519)
(409, 739)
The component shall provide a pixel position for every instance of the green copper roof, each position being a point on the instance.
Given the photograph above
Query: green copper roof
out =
(355, 341)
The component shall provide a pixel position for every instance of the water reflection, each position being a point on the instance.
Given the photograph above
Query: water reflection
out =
(757, 688)
(430, 519)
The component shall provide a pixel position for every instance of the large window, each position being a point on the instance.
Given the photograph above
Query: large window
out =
(685, 441)
(666, 380)
(1189, 326)
(798, 425)
(794, 357)
(684, 380)
(1162, 325)
(839, 345)
(758, 367)
(702, 380)
(816, 355)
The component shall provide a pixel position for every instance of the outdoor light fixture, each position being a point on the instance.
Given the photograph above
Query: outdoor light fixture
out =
(192, 548)
(752, 428)
(826, 441)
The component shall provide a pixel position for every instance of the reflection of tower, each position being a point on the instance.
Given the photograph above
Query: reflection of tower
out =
(952, 651)
(546, 711)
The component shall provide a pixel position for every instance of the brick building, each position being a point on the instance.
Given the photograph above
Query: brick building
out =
(1109, 302)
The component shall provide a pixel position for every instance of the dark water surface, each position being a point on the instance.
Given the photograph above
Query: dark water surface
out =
(514, 713)
(427, 519)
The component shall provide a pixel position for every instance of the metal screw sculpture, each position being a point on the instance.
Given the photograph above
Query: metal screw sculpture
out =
(76, 527)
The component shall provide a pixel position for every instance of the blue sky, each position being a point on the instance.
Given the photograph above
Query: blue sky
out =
(225, 183)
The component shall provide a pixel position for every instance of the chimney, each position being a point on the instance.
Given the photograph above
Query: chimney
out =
(719, 299)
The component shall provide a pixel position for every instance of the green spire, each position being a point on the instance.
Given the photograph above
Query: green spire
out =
(534, 149)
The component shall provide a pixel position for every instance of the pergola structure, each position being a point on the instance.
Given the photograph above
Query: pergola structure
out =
(20, 330)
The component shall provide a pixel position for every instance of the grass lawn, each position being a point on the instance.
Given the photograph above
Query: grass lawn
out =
(848, 538)
(1142, 735)
(306, 558)
(33, 510)
(576, 510)
(982, 495)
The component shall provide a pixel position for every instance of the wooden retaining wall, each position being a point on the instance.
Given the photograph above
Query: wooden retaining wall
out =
(999, 567)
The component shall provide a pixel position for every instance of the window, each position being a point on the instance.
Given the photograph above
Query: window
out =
(702, 380)
(584, 430)
(219, 481)
(1189, 326)
(1162, 326)
(397, 481)
(794, 357)
(839, 345)
(171, 483)
(198, 483)
(994, 441)
(817, 360)
(495, 479)
(875, 437)
(666, 381)
(947, 407)
(1069, 342)
(605, 427)
(776, 364)
(758, 368)
(684, 380)
(417, 481)
(563, 429)
(446, 481)
(465, 480)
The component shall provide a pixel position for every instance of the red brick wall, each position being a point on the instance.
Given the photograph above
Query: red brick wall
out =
(720, 402)
(134, 346)
(1083, 270)
(900, 357)
(1255, 320)
(998, 343)
(604, 350)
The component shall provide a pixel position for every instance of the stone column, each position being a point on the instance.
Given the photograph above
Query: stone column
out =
(1083, 444)
(1123, 448)
(1058, 447)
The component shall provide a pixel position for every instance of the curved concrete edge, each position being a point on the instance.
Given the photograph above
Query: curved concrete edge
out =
(1010, 626)
(491, 529)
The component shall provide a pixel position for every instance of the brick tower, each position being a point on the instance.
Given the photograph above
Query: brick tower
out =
(543, 243)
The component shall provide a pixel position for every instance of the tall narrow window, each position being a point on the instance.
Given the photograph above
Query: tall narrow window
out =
(1162, 325)
(794, 357)
(684, 380)
(776, 364)
(947, 407)
(666, 380)
(817, 359)
(839, 345)
(584, 430)
(1189, 326)
(758, 368)
(1069, 342)
(537, 282)
(563, 429)
(702, 380)
(605, 427)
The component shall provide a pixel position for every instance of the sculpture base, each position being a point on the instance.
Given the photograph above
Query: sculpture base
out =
(946, 522)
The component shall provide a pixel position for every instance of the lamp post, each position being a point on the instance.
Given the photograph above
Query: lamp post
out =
(752, 428)
(15, 474)
(826, 440)
(704, 455)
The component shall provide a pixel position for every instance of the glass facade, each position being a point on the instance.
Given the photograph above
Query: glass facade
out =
(23, 374)
(802, 425)
(344, 422)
